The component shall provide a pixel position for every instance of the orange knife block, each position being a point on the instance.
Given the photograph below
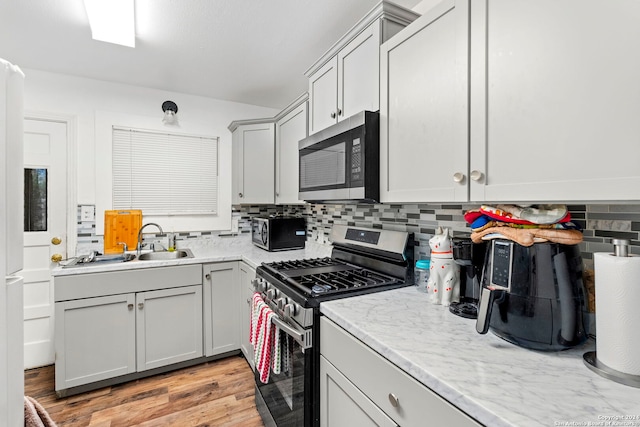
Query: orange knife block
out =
(121, 226)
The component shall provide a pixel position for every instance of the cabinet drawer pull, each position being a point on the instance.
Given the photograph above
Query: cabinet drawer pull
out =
(141, 305)
(130, 306)
(394, 400)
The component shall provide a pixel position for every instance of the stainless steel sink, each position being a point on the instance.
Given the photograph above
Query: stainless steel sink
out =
(166, 255)
(98, 260)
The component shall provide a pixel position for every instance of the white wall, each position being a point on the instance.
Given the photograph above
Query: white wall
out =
(86, 99)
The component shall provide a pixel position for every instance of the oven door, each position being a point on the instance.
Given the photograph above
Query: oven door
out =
(286, 400)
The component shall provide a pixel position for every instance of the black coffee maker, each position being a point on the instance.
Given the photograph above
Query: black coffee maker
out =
(533, 296)
(469, 257)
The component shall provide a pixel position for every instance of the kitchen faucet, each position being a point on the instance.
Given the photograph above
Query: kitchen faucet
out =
(139, 246)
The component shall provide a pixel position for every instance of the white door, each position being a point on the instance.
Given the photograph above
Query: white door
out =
(45, 154)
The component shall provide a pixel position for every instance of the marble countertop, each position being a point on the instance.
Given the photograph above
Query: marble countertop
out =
(495, 382)
(219, 249)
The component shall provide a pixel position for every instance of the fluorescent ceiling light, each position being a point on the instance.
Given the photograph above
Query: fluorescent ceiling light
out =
(112, 21)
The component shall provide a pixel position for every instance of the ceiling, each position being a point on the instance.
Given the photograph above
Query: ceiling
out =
(248, 51)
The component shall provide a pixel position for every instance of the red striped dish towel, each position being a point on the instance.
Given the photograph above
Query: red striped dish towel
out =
(262, 336)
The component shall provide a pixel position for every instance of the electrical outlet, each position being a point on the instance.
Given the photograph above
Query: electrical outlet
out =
(234, 225)
(87, 213)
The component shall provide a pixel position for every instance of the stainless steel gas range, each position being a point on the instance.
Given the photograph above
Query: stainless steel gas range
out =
(362, 261)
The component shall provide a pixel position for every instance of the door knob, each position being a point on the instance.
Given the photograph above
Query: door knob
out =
(56, 258)
(56, 240)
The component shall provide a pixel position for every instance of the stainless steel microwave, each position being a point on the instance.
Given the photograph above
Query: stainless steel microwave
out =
(342, 162)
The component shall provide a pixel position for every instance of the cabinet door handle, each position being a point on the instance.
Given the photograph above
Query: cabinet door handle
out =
(476, 175)
(458, 177)
(339, 112)
(207, 276)
(140, 305)
(394, 400)
(333, 114)
(130, 306)
(240, 195)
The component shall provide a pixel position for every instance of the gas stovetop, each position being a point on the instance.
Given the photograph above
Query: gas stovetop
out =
(323, 276)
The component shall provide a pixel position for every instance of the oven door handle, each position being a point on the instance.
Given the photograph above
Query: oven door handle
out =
(302, 338)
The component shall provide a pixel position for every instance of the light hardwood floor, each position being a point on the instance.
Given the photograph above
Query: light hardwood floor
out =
(219, 393)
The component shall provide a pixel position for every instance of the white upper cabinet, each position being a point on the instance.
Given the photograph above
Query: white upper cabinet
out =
(542, 105)
(290, 128)
(424, 108)
(253, 162)
(555, 100)
(346, 79)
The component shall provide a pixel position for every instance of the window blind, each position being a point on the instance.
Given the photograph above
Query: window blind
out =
(164, 174)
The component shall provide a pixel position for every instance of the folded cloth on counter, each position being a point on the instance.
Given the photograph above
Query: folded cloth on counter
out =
(35, 415)
(544, 214)
(528, 236)
(485, 222)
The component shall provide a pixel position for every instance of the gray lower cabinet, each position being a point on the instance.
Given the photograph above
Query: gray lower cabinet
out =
(221, 301)
(168, 326)
(360, 387)
(95, 339)
(247, 274)
(112, 324)
(342, 404)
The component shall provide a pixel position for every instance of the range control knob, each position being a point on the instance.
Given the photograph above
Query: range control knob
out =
(272, 294)
(289, 311)
(282, 303)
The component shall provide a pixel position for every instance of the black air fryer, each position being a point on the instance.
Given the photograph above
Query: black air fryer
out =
(533, 296)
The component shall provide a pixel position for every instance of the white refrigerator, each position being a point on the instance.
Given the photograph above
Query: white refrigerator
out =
(11, 245)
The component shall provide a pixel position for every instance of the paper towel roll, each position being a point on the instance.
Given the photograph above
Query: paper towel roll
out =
(618, 312)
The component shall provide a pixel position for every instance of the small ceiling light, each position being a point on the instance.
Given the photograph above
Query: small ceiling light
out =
(170, 113)
(112, 21)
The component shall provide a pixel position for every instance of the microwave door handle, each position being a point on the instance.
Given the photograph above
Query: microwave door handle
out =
(302, 338)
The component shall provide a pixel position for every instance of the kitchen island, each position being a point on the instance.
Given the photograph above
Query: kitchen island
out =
(491, 380)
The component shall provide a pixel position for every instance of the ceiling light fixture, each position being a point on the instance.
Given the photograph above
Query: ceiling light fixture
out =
(112, 21)
(170, 113)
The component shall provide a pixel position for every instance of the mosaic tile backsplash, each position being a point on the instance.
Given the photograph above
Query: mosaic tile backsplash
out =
(600, 223)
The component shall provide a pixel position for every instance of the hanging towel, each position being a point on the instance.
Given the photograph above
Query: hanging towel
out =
(266, 334)
(277, 351)
(256, 304)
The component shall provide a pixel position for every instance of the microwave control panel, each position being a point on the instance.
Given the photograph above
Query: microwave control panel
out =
(356, 161)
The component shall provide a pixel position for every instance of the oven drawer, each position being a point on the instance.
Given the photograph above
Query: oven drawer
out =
(381, 381)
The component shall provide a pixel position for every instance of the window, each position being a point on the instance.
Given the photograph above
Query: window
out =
(164, 174)
(35, 200)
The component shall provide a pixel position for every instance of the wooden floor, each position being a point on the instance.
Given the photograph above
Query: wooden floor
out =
(219, 393)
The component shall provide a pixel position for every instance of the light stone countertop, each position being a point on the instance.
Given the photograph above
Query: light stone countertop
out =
(218, 249)
(493, 381)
